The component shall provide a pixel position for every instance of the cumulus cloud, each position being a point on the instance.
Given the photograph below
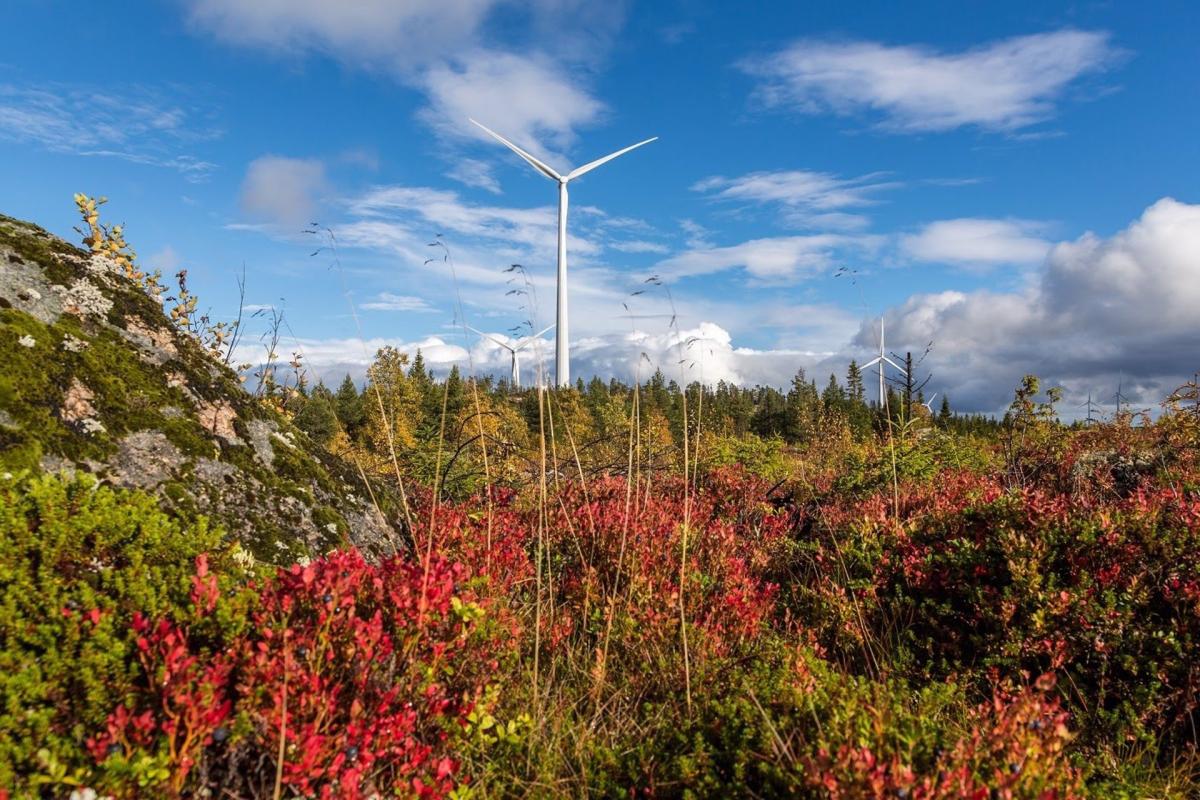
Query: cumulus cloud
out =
(808, 199)
(1102, 310)
(977, 243)
(704, 352)
(330, 359)
(283, 191)
(530, 99)
(1004, 85)
(522, 66)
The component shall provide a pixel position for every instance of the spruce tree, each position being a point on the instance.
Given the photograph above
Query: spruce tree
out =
(349, 406)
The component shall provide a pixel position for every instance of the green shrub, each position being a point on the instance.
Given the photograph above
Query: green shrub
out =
(76, 560)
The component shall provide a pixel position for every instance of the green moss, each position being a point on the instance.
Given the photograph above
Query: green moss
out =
(324, 516)
(34, 244)
(131, 393)
(33, 384)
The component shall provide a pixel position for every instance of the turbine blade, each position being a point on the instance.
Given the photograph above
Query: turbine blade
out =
(575, 173)
(871, 363)
(894, 364)
(528, 340)
(491, 338)
(533, 162)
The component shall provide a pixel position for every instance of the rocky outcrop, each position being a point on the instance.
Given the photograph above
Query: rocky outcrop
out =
(95, 377)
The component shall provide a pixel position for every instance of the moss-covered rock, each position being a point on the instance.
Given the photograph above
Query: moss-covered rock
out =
(97, 379)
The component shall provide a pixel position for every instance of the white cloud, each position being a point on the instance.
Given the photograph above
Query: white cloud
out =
(283, 191)
(387, 301)
(364, 32)
(639, 246)
(476, 173)
(528, 98)
(1101, 311)
(768, 260)
(527, 73)
(1004, 85)
(808, 199)
(330, 359)
(141, 127)
(166, 260)
(701, 353)
(977, 243)
(514, 230)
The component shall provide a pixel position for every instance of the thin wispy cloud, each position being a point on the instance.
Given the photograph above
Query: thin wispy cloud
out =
(387, 301)
(768, 260)
(476, 173)
(639, 246)
(141, 127)
(806, 198)
(1005, 85)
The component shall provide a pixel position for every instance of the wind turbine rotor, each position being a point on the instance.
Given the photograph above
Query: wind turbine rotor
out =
(562, 354)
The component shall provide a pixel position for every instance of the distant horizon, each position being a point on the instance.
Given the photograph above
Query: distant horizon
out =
(1013, 189)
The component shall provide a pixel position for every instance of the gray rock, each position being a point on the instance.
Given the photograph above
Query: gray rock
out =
(144, 460)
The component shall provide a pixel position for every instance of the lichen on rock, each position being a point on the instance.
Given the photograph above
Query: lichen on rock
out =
(97, 379)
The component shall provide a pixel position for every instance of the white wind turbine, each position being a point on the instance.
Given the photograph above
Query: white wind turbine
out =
(929, 403)
(562, 354)
(513, 349)
(881, 359)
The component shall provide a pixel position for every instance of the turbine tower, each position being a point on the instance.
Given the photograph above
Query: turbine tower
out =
(513, 349)
(562, 353)
(881, 359)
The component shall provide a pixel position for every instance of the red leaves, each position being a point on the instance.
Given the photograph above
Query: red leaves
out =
(1016, 748)
(339, 659)
(204, 587)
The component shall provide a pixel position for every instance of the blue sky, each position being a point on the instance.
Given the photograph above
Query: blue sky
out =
(1016, 183)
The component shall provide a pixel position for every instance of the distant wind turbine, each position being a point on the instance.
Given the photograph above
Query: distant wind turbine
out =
(881, 359)
(562, 354)
(513, 349)
(1119, 397)
(929, 403)
(1090, 406)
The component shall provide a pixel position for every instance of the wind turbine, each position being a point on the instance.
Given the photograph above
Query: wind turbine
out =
(1089, 405)
(513, 349)
(880, 360)
(562, 353)
(929, 403)
(1119, 397)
